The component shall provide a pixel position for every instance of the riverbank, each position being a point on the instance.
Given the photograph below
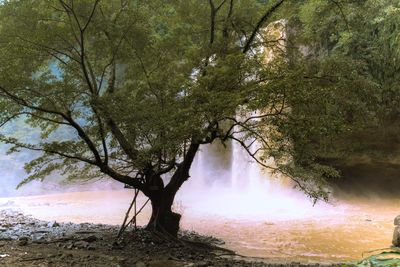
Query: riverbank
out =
(26, 241)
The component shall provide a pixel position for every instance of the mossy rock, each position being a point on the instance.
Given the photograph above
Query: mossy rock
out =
(386, 258)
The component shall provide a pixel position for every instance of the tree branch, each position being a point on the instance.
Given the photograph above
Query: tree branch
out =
(260, 23)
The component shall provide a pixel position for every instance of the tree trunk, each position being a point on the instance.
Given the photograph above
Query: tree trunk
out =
(163, 219)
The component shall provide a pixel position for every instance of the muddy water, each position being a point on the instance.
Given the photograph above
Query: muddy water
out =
(359, 227)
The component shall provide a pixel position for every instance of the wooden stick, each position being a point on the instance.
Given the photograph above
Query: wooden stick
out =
(123, 226)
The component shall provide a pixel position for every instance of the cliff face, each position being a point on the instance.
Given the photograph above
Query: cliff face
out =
(374, 167)
(364, 179)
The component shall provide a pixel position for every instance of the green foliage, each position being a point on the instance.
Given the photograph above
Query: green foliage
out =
(352, 48)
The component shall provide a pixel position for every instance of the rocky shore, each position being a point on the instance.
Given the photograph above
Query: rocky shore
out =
(25, 241)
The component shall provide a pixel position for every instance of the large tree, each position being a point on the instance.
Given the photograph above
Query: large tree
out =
(131, 90)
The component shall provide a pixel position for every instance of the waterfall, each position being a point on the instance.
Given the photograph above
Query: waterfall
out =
(226, 182)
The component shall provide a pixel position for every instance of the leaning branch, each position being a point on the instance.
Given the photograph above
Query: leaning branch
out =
(47, 150)
(260, 23)
(342, 14)
(82, 134)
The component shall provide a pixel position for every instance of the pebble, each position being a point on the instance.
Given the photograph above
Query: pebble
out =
(23, 241)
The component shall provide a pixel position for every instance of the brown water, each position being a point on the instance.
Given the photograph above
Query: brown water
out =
(359, 227)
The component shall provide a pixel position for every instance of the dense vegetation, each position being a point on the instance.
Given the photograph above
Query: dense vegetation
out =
(132, 89)
(359, 36)
(363, 37)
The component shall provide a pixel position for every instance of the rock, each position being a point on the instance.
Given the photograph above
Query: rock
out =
(397, 220)
(91, 247)
(23, 241)
(219, 242)
(41, 231)
(81, 244)
(7, 225)
(53, 224)
(90, 238)
(396, 237)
